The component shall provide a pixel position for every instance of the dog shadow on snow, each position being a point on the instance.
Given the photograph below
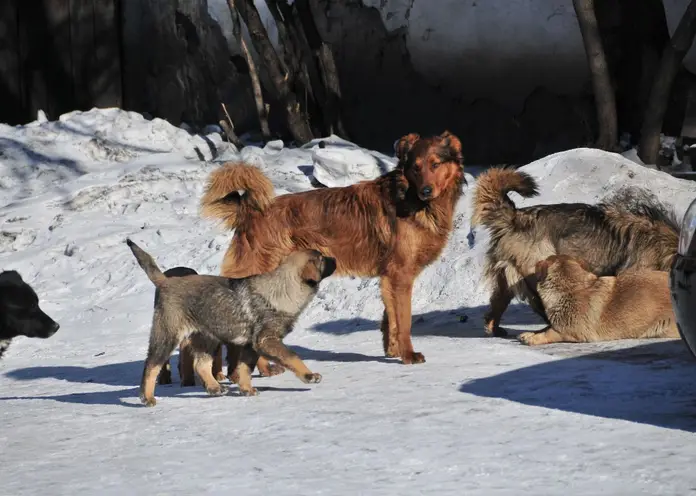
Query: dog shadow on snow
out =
(652, 383)
(646, 381)
(130, 373)
(463, 322)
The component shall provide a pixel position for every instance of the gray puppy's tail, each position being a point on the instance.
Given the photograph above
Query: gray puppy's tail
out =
(147, 263)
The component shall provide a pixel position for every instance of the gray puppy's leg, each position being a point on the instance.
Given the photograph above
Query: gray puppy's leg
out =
(272, 347)
(245, 365)
(203, 347)
(162, 344)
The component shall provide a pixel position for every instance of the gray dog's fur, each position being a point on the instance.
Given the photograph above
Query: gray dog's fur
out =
(254, 312)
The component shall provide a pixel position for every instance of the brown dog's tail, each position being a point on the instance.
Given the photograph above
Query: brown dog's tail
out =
(222, 200)
(492, 207)
(147, 263)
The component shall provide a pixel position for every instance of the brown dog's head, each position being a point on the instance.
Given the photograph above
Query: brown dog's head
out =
(566, 267)
(431, 164)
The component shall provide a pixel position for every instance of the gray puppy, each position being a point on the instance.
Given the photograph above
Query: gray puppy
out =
(255, 312)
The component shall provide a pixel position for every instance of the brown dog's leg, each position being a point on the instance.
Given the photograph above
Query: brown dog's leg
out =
(186, 374)
(390, 340)
(546, 336)
(273, 348)
(247, 361)
(500, 300)
(203, 349)
(402, 289)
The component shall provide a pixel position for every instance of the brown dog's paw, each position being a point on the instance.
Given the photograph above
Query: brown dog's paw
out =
(532, 338)
(271, 370)
(217, 391)
(414, 358)
(220, 376)
(148, 401)
(392, 351)
(311, 378)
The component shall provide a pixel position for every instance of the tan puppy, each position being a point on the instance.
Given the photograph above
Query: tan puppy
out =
(583, 308)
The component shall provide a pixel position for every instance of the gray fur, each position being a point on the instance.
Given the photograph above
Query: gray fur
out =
(254, 312)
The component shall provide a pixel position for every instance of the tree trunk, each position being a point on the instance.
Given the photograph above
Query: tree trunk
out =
(297, 121)
(599, 72)
(253, 74)
(670, 63)
(331, 101)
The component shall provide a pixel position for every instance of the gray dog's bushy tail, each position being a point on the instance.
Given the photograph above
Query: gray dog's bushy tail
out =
(492, 207)
(147, 263)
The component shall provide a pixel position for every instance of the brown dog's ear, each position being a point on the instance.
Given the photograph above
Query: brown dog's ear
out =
(405, 144)
(455, 145)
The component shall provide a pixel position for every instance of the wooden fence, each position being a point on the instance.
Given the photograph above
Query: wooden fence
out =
(58, 56)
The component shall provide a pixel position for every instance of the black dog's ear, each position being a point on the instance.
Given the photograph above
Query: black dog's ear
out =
(10, 277)
(404, 146)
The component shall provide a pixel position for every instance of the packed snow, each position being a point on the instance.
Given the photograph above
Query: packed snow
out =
(482, 416)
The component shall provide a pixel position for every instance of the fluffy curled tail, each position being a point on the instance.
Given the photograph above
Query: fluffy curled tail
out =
(491, 203)
(147, 263)
(222, 200)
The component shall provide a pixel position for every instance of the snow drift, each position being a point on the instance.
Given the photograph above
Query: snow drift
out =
(483, 415)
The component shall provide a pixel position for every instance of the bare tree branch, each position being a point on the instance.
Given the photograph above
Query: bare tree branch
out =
(298, 123)
(599, 72)
(253, 73)
(671, 61)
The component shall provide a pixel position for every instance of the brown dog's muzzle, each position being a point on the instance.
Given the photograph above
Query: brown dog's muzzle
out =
(426, 193)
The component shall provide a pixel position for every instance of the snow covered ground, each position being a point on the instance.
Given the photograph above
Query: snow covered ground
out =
(482, 416)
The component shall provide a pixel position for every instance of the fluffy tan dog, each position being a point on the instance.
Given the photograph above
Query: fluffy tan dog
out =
(583, 308)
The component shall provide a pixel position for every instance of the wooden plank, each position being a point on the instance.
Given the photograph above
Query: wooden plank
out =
(82, 47)
(11, 110)
(105, 86)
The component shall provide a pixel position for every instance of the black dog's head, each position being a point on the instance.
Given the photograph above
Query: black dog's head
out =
(20, 314)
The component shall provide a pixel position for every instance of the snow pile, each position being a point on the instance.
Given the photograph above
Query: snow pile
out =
(338, 163)
(73, 190)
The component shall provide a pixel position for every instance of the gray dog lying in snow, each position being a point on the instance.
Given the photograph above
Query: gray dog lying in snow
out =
(254, 312)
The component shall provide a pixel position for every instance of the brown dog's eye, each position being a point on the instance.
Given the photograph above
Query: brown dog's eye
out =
(435, 165)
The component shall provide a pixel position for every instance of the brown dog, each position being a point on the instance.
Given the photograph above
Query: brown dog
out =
(630, 230)
(584, 308)
(391, 227)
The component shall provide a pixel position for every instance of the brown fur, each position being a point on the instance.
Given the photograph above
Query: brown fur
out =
(631, 230)
(584, 308)
(387, 228)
